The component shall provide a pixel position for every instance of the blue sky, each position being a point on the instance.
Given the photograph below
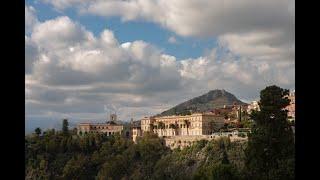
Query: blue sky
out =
(186, 47)
(240, 46)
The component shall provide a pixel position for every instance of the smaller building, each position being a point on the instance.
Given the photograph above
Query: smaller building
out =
(254, 105)
(136, 130)
(291, 107)
(110, 128)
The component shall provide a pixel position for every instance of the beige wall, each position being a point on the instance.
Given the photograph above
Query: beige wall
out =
(200, 124)
(184, 141)
(136, 132)
(99, 128)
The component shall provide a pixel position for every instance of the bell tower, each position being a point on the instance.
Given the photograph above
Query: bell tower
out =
(113, 117)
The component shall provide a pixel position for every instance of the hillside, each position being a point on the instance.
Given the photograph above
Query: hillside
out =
(206, 102)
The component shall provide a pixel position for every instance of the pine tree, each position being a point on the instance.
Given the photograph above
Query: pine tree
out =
(37, 131)
(270, 151)
(65, 127)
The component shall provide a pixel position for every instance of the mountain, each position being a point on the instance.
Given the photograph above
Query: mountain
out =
(206, 102)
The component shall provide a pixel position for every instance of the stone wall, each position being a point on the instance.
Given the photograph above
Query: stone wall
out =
(184, 141)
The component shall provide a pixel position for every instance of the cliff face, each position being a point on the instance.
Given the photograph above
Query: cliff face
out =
(206, 102)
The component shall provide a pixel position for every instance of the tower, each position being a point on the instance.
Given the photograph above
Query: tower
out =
(113, 117)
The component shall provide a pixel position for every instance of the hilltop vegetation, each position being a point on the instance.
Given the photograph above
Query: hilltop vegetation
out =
(59, 156)
(209, 101)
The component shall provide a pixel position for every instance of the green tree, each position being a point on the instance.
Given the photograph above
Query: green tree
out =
(114, 168)
(270, 151)
(224, 172)
(187, 122)
(161, 126)
(37, 131)
(65, 126)
(77, 168)
(225, 159)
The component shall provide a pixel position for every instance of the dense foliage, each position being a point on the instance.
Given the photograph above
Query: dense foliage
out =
(56, 155)
(271, 152)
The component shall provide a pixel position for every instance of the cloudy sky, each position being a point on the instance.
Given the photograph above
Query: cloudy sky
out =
(85, 59)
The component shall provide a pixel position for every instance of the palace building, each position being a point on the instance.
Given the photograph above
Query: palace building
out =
(110, 127)
(196, 124)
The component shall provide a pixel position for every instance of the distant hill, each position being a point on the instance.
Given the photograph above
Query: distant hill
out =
(206, 102)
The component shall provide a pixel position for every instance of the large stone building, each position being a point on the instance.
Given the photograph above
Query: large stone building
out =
(110, 128)
(194, 124)
(175, 129)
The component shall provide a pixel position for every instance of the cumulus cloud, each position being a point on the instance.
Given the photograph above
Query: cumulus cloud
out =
(32, 53)
(260, 45)
(30, 18)
(246, 27)
(209, 17)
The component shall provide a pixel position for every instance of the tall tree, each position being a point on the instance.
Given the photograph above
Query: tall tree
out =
(270, 151)
(162, 126)
(37, 131)
(225, 159)
(187, 122)
(65, 126)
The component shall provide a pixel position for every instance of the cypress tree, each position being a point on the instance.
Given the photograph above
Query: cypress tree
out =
(270, 151)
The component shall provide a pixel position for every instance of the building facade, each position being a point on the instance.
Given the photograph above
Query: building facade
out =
(189, 125)
(291, 107)
(254, 105)
(136, 132)
(182, 131)
(109, 128)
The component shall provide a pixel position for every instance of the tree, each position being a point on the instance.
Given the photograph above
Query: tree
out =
(37, 131)
(223, 172)
(116, 168)
(65, 127)
(270, 151)
(225, 159)
(212, 125)
(187, 122)
(172, 126)
(161, 126)
(77, 168)
(176, 127)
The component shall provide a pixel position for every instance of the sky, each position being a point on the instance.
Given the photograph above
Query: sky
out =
(87, 59)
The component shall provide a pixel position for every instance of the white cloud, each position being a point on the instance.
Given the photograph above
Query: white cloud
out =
(30, 18)
(60, 33)
(195, 17)
(172, 40)
(259, 45)
(31, 54)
